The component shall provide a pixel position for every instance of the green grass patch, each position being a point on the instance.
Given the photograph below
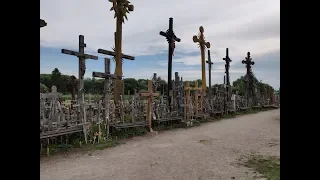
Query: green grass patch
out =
(267, 166)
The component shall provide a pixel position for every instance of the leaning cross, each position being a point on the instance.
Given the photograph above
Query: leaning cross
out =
(82, 69)
(227, 66)
(150, 95)
(209, 65)
(171, 38)
(203, 44)
(107, 77)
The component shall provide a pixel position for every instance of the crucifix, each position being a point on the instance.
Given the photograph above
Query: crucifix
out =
(82, 69)
(171, 38)
(227, 67)
(120, 8)
(202, 44)
(209, 65)
(248, 61)
(42, 23)
(107, 90)
(150, 94)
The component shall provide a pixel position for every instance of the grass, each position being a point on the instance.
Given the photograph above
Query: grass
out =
(267, 166)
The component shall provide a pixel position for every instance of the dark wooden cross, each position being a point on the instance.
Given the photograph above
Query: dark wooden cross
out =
(42, 23)
(150, 94)
(227, 67)
(209, 65)
(248, 61)
(171, 38)
(82, 69)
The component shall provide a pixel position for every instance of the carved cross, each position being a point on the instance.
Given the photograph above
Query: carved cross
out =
(42, 23)
(82, 69)
(248, 61)
(150, 95)
(196, 95)
(227, 67)
(203, 44)
(171, 38)
(209, 65)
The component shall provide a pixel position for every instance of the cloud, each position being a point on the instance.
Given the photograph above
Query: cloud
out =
(240, 25)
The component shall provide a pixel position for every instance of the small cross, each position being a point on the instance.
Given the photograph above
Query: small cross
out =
(209, 62)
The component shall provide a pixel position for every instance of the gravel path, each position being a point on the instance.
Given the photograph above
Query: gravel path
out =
(207, 152)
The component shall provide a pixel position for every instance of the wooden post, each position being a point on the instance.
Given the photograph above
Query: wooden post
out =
(187, 105)
(150, 95)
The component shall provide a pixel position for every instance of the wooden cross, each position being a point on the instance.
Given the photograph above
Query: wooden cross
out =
(171, 38)
(248, 61)
(187, 105)
(42, 23)
(209, 65)
(73, 87)
(196, 95)
(82, 69)
(227, 66)
(203, 44)
(150, 95)
(107, 76)
(118, 88)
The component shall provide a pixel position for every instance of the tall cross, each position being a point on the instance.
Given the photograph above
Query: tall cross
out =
(203, 44)
(150, 94)
(82, 69)
(118, 86)
(209, 65)
(42, 23)
(248, 61)
(227, 67)
(171, 38)
(120, 8)
(107, 77)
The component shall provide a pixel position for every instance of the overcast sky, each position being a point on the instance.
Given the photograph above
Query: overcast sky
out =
(240, 25)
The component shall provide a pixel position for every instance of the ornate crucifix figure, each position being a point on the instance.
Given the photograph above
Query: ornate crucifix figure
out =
(209, 65)
(203, 45)
(42, 23)
(227, 67)
(120, 8)
(171, 38)
(82, 69)
(249, 80)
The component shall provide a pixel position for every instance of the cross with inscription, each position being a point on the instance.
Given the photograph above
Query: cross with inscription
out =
(209, 62)
(42, 23)
(82, 69)
(171, 38)
(150, 94)
(107, 77)
(202, 44)
(227, 67)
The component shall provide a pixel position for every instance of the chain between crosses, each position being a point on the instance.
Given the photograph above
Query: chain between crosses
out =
(202, 44)
(150, 94)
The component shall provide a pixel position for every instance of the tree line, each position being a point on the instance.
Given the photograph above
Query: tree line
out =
(65, 84)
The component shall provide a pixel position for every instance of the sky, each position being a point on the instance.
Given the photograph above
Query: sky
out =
(240, 25)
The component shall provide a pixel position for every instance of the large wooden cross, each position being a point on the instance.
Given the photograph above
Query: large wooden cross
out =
(196, 97)
(209, 65)
(227, 67)
(42, 23)
(248, 61)
(171, 38)
(203, 44)
(82, 69)
(107, 77)
(118, 88)
(150, 94)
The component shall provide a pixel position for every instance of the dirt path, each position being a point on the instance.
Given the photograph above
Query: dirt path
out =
(207, 152)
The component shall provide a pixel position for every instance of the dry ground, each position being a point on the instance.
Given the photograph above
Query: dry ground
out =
(207, 152)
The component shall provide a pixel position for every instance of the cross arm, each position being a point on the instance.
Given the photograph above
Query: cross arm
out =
(43, 23)
(209, 62)
(147, 94)
(104, 75)
(112, 53)
(78, 54)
